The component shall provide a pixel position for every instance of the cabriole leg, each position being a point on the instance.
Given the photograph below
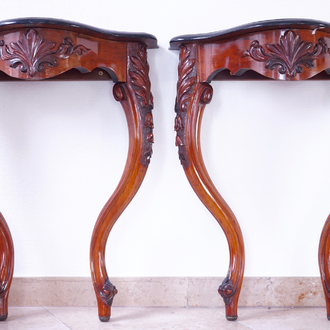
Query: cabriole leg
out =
(7, 266)
(324, 263)
(192, 97)
(136, 100)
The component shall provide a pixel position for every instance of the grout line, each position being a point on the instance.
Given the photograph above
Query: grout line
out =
(180, 325)
(55, 317)
(246, 326)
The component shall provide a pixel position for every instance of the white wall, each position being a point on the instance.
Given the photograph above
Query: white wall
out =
(266, 145)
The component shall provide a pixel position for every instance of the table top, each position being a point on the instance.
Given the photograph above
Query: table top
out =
(146, 38)
(294, 23)
(281, 49)
(39, 48)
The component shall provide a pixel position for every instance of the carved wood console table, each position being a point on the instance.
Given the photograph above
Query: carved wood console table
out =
(278, 49)
(35, 49)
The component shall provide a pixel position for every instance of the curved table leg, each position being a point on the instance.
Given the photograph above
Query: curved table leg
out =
(137, 102)
(324, 263)
(7, 266)
(190, 103)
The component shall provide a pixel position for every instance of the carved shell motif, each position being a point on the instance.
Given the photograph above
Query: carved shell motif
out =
(32, 54)
(289, 55)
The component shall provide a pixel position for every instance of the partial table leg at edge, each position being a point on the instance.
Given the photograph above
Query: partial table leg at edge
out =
(324, 263)
(7, 270)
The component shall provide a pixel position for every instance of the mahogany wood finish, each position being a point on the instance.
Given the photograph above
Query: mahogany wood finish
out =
(324, 263)
(38, 48)
(7, 266)
(277, 49)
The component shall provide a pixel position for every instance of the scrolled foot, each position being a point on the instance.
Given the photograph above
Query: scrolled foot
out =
(231, 317)
(227, 290)
(229, 294)
(108, 291)
(104, 300)
(104, 318)
(3, 317)
(329, 317)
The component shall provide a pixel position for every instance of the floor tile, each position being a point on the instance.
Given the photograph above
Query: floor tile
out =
(28, 318)
(162, 318)
(145, 318)
(284, 318)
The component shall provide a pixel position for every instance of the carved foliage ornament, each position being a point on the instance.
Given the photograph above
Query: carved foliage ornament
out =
(289, 55)
(32, 54)
(139, 78)
(186, 82)
(139, 74)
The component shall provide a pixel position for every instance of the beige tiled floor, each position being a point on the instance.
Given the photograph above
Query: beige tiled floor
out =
(194, 318)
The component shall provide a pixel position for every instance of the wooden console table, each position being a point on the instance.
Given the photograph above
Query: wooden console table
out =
(36, 49)
(287, 49)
